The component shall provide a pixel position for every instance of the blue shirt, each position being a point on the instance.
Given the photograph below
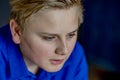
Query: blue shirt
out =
(13, 67)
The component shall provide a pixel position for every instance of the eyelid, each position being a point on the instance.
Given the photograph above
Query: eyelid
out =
(48, 38)
(71, 35)
(75, 32)
(45, 35)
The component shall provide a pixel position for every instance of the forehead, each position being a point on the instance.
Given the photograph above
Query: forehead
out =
(54, 11)
(54, 19)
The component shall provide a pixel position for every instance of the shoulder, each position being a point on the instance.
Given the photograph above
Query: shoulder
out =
(78, 53)
(78, 63)
(78, 58)
(3, 42)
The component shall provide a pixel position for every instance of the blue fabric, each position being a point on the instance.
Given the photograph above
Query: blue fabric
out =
(13, 67)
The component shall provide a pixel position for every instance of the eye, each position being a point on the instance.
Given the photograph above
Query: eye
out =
(71, 35)
(48, 38)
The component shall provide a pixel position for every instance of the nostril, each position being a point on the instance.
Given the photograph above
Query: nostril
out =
(60, 52)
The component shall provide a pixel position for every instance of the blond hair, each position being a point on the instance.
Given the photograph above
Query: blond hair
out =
(21, 10)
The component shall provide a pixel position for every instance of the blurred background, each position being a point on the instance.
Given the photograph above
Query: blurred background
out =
(99, 35)
(4, 12)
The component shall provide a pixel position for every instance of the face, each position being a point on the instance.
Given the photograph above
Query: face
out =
(49, 38)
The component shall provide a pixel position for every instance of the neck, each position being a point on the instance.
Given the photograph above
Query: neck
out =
(31, 66)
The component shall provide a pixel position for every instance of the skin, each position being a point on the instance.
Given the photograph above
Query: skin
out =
(48, 39)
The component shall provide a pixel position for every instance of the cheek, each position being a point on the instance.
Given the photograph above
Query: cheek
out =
(36, 48)
(73, 42)
(71, 45)
(43, 49)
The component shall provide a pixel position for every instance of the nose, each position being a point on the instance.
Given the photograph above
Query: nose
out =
(62, 48)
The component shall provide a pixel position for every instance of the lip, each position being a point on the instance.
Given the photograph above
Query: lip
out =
(56, 61)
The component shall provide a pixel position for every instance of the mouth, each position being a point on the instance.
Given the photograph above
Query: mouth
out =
(56, 61)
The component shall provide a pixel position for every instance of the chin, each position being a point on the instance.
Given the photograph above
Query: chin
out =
(54, 68)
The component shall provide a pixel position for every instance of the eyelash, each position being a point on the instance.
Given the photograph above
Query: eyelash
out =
(50, 38)
(47, 38)
(71, 35)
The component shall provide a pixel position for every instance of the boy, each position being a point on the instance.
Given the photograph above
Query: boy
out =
(40, 42)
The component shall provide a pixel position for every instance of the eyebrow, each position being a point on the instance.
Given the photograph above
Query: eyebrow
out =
(56, 34)
(74, 31)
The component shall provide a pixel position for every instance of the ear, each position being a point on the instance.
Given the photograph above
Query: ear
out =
(15, 30)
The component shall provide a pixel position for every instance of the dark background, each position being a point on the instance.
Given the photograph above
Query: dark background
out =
(100, 37)
(100, 33)
(4, 12)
